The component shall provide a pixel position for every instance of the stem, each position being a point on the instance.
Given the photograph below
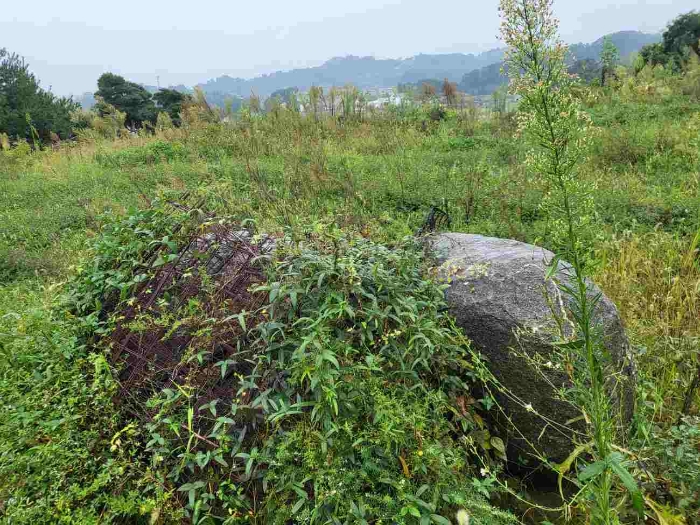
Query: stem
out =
(598, 404)
(690, 394)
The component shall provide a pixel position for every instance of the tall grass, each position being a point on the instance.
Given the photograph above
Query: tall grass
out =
(655, 282)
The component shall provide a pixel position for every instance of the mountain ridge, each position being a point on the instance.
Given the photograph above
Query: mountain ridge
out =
(475, 73)
(363, 72)
(366, 72)
(486, 80)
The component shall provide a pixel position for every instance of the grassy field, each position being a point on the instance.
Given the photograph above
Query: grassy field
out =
(66, 453)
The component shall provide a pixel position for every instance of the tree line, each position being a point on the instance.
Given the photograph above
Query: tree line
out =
(680, 39)
(29, 112)
(139, 104)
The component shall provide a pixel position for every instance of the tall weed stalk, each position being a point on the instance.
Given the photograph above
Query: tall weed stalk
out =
(552, 119)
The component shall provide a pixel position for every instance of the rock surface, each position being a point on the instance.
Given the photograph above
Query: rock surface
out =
(500, 298)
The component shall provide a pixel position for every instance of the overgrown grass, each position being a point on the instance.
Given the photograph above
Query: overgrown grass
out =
(375, 179)
(63, 455)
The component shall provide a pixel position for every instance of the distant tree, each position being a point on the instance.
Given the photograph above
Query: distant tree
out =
(294, 102)
(286, 95)
(332, 101)
(683, 32)
(500, 100)
(586, 69)
(273, 105)
(254, 103)
(128, 97)
(654, 55)
(449, 91)
(427, 91)
(170, 101)
(486, 80)
(205, 111)
(315, 99)
(231, 105)
(224, 100)
(609, 57)
(26, 110)
(349, 99)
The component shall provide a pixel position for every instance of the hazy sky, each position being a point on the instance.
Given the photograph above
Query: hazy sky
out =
(69, 43)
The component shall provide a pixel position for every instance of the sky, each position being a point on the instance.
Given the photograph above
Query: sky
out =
(69, 44)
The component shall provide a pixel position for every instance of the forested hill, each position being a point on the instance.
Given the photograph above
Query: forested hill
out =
(627, 42)
(487, 79)
(368, 72)
(363, 72)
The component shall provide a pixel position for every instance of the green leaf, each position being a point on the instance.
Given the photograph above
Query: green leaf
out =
(421, 490)
(628, 481)
(329, 356)
(220, 461)
(592, 470)
(564, 467)
(498, 444)
(300, 492)
(571, 345)
(440, 520)
(274, 292)
(553, 267)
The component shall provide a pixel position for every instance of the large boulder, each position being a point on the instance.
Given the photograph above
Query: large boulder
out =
(502, 300)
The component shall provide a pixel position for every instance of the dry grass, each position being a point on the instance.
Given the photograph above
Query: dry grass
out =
(655, 281)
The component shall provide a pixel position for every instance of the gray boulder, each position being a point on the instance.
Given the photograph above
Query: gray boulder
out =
(500, 297)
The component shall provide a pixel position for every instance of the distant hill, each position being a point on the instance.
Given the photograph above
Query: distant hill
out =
(477, 74)
(583, 60)
(627, 42)
(483, 81)
(154, 89)
(363, 72)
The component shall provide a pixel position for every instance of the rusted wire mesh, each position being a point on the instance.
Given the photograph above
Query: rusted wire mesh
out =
(186, 326)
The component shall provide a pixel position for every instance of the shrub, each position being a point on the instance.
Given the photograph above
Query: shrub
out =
(153, 153)
(676, 455)
(338, 399)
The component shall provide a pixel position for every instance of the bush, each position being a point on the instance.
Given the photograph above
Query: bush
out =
(676, 453)
(338, 399)
(153, 153)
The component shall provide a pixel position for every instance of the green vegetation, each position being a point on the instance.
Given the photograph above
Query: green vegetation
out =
(128, 97)
(172, 102)
(683, 33)
(136, 102)
(680, 42)
(557, 128)
(27, 112)
(609, 57)
(340, 385)
(351, 397)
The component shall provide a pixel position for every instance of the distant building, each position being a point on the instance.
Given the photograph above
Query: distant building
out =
(393, 100)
